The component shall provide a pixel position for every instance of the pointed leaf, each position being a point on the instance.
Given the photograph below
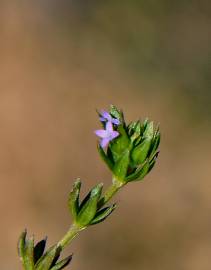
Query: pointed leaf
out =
(110, 155)
(121, 143)
(46, 260)
(21, 244)
(104, 157)
(116, 113)
(73, 201)
(88, 211)
(56, 256)
(139, 173)
(152, 164)
(28, 258)
(103, 214)
(39, 249)
(63, 263)
(155, 144)
(140, 152)
(85, 200)
(131, 127)
(153, 161)
(136, 131)
(121, 166)
(145, 123)
(148, 132)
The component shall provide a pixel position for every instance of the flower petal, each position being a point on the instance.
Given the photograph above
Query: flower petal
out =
(101, 133)
(114, 134)
(109, 127)
(115, 121)
(104, 142)
(105, 115)
(102, 119)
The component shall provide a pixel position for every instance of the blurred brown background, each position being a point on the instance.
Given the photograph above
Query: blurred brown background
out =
(59, 61)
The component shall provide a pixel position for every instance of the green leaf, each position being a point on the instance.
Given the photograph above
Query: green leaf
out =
(110, 155)
(155, 143)
(121, 166)
(140, 152)
(135, 130)
(28, 257)
(153, 161)
(103, 214)
(39, 249)
(56, 256)
(131, 126)
(26, 251)
(148, 132)
(21, 244)
(145, 123)
(140, 173)
(89, 207)
(152, 164)
(116, 113)
(73, 201)
(104, 157)
(120, 144)
(85, 200)
(46, 260)
(63, 263)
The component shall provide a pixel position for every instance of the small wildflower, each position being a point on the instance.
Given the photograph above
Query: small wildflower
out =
(135, 150)
(105, 116)
(107, 134)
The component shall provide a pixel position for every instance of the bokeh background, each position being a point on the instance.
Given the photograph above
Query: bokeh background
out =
(59, 62)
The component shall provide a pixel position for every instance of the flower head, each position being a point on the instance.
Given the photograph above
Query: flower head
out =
(106, 117)
(107, 134)
(134, 152)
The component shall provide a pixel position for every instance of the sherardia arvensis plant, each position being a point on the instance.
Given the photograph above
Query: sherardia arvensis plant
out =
(130, 151)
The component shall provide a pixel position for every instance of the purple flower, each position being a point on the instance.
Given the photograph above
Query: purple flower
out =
(105, 116)
(107, 134)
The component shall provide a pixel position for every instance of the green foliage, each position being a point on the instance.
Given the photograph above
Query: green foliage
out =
(35, 257)
(88, 212)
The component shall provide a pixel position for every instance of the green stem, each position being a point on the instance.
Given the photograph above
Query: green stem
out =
(70, 235)
(110, 192)
(75, 229)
